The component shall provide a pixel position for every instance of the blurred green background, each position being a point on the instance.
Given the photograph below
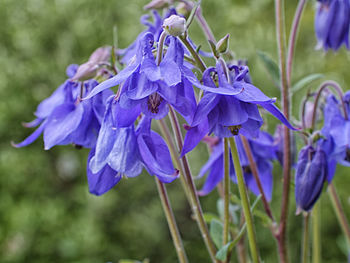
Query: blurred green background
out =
(46, 212)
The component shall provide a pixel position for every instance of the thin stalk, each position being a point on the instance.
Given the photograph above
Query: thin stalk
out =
(175, 234)
(245, 201)
(281, 42)
(226, 192)
(305, 247)
(174, 156)
(255, 173)
(339, 211)
(316, 235)
(338, 90)
(195, 204)
(204, 25)
(160, 47)
(293, 38)
(200, 63)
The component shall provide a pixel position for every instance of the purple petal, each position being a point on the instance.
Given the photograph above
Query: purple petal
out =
(231, 111)
(250, 93)
(215, 176)
(170, 72)
(194, 135)
(61, 123)
(278, 114)
(140, 87)
(104, 180)
(206, 104)
(31, 138)
(156, 157)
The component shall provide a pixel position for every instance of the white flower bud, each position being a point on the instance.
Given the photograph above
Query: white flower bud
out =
(175, 25)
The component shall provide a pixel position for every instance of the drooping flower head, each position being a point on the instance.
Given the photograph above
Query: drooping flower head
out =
(311, 173)
(65, 119)
(228, 107)
(332, 23)
(263, 151)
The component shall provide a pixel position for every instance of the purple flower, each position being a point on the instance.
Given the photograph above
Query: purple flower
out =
(122, 151)
(332, 23)
(151, 86)
(263, 152)
(65, 119)
(311, 173)
(230, 108)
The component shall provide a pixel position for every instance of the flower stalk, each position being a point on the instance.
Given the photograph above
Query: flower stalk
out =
(226, 191)
(339, 211)
(245, 201)
(175, 234)
(316, 236)
(281, 42)
(305, 247)
(195, 204)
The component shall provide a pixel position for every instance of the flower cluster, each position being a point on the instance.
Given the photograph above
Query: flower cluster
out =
(117, 126)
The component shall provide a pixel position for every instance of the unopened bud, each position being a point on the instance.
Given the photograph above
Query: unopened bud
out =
(223, 43)
(102, 54)
(175, 25)
(310, 175)
(157, 4)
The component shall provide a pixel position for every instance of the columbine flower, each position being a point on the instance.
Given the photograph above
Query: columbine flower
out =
(153, 86)
(229, 109)
(65, 119)
(332, 23)
(122, 151)
(310, 176)
(263, 151)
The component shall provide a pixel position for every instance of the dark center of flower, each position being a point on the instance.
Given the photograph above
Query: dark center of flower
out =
(347, 155)
(234, 129)
(246, 169)
(153, 102)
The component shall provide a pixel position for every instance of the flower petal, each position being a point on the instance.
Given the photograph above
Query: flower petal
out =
(31, 138)
(206, 104)
(104, 180)
(278, 114)
(194, 135)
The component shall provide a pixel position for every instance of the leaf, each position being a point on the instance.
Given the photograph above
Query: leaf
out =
(216, 231)
(271, 67)
(222, 253)
(208, 217)
(305, 81)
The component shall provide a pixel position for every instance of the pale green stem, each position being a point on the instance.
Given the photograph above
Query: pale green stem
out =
(316, 236)
(226, 192)
(201, 65)
(339, 211)
(160, 47)
(245, 201)
(174, 156)
(305, 246)
(174, 231)
(195, 204)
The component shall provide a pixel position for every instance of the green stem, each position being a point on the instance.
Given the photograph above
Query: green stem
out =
(339, 211)
(175, 234)
(201, 65)
(316, 237)
(194, 201)
(255, 173)
(160, 47)
(174, 156)
(305, 247)
(281, 42)
(226, 191)
(245, 201)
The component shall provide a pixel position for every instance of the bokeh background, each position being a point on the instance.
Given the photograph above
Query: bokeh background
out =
(46, 212)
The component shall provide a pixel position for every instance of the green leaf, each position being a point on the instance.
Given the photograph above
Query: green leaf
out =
(306, 81)
(271, 67)
(216, 231)
(208, 217)
(222, 253)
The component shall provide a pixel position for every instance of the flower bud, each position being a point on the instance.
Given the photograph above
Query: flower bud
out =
(157, 4)
(175, 25)
(222, 45)
(310, 176)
